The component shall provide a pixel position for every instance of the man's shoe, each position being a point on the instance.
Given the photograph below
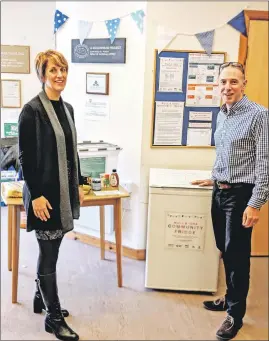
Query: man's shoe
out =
(219, 304)
(228, 329)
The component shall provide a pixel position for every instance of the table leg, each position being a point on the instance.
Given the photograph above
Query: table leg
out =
(15, 250)
(102, 231)
(117, 226)
(9, 246)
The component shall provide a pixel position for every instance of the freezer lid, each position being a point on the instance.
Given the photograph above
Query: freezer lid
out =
(91, 146)
(177, 178)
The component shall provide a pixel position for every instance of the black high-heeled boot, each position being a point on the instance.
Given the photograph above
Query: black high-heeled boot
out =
(54, 320)
(39, 305)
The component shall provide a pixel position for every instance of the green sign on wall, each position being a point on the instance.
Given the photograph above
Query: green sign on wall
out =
(11, 129)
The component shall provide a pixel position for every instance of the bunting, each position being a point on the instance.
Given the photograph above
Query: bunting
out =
(206, 40)
(239, 23)
(112, 28)
(165, 37)
(84, 29)
(59, 20)
(138, 17)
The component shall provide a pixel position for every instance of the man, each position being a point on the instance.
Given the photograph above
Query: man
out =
(240, 179)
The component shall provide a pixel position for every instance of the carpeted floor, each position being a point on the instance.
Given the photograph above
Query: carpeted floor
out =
(102, 311)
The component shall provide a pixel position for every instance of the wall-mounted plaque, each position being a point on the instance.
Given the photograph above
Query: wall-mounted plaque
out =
(15, 59)
(97, 83)
(10, 93)
(99, 51)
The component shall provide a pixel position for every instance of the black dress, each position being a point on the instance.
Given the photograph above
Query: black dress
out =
(61, 115)
(38, 155)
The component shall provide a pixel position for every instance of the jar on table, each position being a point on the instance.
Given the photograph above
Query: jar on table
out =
(96, 184)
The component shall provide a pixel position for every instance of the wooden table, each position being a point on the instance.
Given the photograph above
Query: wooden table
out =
(15, 206)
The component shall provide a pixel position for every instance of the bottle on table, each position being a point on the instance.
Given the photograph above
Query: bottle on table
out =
(106, 181)
(114, 179)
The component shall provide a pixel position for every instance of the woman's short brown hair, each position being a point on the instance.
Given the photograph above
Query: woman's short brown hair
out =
(41, 62)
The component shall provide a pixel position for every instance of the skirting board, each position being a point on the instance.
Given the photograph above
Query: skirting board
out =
(126, 251)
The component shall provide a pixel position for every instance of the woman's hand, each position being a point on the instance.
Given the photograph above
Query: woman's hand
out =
(81, 195)
(40, 207)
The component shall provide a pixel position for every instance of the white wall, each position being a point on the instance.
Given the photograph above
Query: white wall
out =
(187, 17)
(31, 24)
(124, 127)
(26, 23)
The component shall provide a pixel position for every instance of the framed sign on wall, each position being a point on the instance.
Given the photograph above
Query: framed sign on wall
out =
(10, 93)
(97, 83)
(15, 59)
(10, 129)
(99, 51)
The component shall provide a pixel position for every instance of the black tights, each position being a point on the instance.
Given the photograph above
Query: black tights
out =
(48, 255)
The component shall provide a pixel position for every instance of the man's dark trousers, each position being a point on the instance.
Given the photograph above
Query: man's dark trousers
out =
(234, 241)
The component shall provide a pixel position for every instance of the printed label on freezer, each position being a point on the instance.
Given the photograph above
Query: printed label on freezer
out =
(185, 231)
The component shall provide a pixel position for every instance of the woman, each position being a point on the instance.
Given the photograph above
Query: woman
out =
(51, 194)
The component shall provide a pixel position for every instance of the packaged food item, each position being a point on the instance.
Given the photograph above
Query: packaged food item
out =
(12, 189)
(86, 189)
(106, 181)
(114, 178)
(96, 184)
(102, 177)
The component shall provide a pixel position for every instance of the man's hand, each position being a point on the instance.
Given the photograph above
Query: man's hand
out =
(202, 183)
(250, 217)
(81, 195)
(40, 208)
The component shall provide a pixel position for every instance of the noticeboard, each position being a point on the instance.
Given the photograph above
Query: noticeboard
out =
(186, 99)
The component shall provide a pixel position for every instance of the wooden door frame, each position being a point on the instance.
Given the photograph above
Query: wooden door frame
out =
(243, 45)
(242, 58)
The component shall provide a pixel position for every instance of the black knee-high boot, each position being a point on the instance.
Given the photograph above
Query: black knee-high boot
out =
(39, 305)
(54, 320)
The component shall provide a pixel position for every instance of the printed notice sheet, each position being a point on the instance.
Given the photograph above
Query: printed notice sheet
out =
(199, 136)
(202, 81)
(200, 124)
(9, 122)
(200, 116)
(11, 93)
(168, 123)
(171, 74)
(185, 231)
(96, 108)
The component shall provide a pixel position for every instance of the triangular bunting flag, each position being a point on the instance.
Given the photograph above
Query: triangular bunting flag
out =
(164, 37)
(112, 28)
(206, 40)
(59, 20)
(84, 29)
(138, 18)
(239, 23)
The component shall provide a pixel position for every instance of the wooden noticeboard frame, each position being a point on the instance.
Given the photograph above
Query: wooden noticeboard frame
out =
(15, 59)
(167, 96)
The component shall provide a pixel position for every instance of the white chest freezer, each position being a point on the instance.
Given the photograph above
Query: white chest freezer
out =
(181, 250)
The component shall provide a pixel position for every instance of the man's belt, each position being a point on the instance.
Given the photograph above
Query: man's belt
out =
(223, 185)
(227, 185)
